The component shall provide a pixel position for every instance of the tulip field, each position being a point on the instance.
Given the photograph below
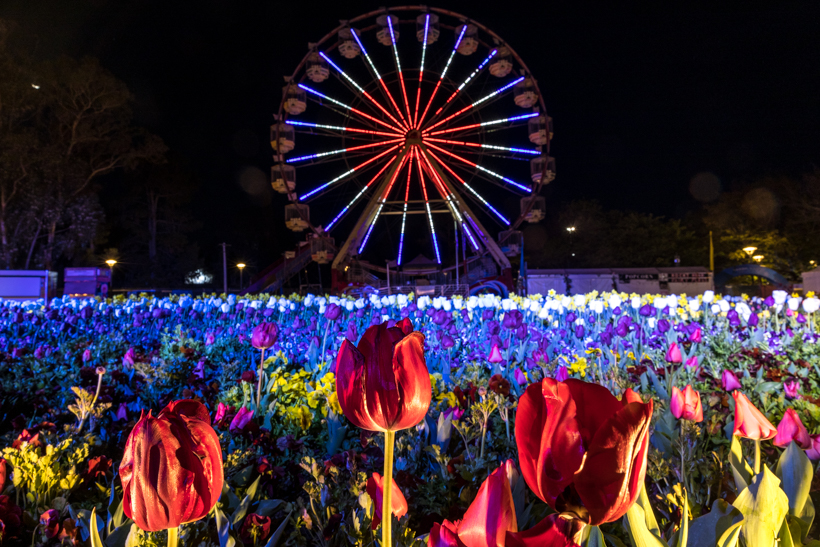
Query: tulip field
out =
(598, 419)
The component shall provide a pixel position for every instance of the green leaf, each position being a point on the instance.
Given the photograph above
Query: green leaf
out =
(636, 524)
(764, 506)
(706, 530)
(795, 470)
(277, 535)
(120, 536)
(95, 535)
(596, 538)
(242, 510)
(267, 507)
(731, 536)
(741, 470)
(785, 535)
(223, 526)
(649, 515)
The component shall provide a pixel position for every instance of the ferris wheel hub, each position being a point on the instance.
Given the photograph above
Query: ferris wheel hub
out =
(413, 137)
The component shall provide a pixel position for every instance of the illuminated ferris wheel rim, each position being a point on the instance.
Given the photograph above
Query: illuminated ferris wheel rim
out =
(408, 138)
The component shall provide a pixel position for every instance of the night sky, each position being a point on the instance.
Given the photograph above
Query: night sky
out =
(643, 96)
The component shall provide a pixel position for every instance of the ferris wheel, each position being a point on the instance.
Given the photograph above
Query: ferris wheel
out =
(411, 120)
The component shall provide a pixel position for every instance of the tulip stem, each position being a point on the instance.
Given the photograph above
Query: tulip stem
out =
(324, 339)
(757, 456)
(173, 536)
(387, 489)
(259, 384)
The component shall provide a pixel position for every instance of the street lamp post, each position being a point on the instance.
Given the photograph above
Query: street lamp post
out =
(758, 259)
(110, 263)
(571, 230)
(241, 267)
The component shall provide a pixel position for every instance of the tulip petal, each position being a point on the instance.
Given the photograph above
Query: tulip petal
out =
(615, 466)
(189, 408)
(375, 489)
(412, 381)
(749, 421)
(491, 515)
(350, 370)
(382, 400)
(553, 531)
(548, 440)
(444, 535)
(595, 406)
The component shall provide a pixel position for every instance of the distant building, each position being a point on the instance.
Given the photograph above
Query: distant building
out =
(678, 280)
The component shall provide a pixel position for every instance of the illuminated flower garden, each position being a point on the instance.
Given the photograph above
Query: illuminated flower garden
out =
(598, 419)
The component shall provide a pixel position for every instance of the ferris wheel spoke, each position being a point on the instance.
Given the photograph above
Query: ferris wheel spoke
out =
(421, 77)
(398, 69)
(404, 211)
(365, 93)
(382, 201)
(465, 83)
(468, 187)
(342, 150)
(486, 146)
(484, 169)
(429, 212)
(342, 128)
(359, 195)
(443, 74)
(395, 128)
(482, 124)
(384, 88)
(346, 174)
(485, 98)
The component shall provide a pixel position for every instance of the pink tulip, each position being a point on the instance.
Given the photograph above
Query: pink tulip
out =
(790, 429)
(495, 355)
(561, 374)
(242, 418)
(673, 354)
(692, 362)
(813, 452)
(696, 336)
(729, 381)
(221, 410)
(686, 404)
(520, 378)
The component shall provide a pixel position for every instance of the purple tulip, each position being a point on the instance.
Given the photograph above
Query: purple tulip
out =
(561, 374)
(753, 320)
(513, 319)
(264, 335)
(486, 315)
(122, 412)
(493, 328)
(792, 389)
(646, 310)
(733, 317)
(800, 318)
(769, 301)
(520, 377)
(86, 356)
(571, 317)
(579, 331)
(447, 342)
(333, 312)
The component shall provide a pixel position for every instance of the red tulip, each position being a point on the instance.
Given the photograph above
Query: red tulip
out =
(383, 384)
(375, 489)
(673, 354)
(582, 450)
(749, 421)
(492, 513)
(490, 521)
(171, 471)
(686, 404)
(790, 429)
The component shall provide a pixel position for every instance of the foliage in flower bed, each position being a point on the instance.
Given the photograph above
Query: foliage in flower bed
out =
(76, 377)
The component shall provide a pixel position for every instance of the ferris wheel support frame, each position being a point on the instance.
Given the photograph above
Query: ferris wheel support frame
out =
(360, 229)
